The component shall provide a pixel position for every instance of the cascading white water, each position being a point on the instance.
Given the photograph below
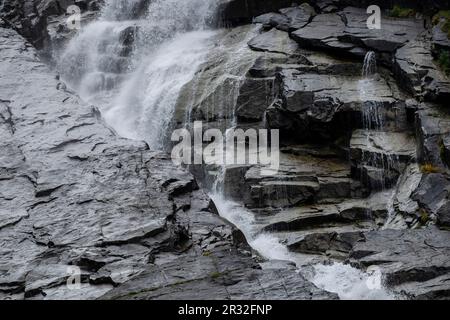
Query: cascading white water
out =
(370, 64)
(144, 107)
(346, 281)
(133, 66)
(374, 116)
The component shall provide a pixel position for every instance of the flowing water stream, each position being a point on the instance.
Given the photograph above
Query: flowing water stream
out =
(137, 86)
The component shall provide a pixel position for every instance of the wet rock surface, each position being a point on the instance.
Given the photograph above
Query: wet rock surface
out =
(364, 168)
(414, 261)
(74, 194)
(363, 177)
(43, 22)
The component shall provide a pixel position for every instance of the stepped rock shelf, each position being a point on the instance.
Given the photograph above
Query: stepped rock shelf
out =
(364, 174)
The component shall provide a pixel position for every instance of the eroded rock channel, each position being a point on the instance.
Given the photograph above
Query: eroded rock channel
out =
(87, 181)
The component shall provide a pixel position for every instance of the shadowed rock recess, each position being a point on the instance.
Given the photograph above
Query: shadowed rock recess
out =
(364, 177)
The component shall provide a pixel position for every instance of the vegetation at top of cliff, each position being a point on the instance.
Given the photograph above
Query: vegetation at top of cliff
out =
(444, 16)
(444, 61)
(401, 12)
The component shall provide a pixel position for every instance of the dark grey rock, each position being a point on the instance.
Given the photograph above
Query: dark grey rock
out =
(410, 260)
(237, 12)
(432, 126)
(288, 19)
(73, 193)
(255, 96)
(274, 41)
(433, 196)
(417, 72)
(346, 33)
(440, 38)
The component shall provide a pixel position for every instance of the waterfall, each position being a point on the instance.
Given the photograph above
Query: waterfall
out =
(133, 65)
(373, 117)
(370, 64)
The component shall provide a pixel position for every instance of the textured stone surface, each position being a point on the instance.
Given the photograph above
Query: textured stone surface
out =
(72, 193)
(346, 32)
(414, 261)
(289, 19)
(417, 71)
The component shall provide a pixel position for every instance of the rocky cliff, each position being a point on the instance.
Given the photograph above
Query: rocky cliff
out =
(364, 176)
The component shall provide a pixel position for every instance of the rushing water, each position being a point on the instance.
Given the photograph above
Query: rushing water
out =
(134, 67)
(349, 283)
(370, 64)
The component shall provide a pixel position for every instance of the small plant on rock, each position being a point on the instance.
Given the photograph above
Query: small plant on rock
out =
(429, 168)
(424, 217)
(401, 12)
(444, 61)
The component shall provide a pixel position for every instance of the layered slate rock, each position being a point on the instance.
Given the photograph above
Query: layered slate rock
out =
(433, 196)
(378, 157)
(288, 19)
(221, 277)
(432, 128)
(330, 228)
(274, 41)
(417, 72)
(413, 262)
(300, 179)
(346, 32)
(237, 12)
(40, 20)
(319, 104)
(74, 194)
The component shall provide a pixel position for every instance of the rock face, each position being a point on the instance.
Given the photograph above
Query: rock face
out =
(35, 19)
(363, 176)
(416, 262)
(74, 194)
(417, 72)
(242, 11)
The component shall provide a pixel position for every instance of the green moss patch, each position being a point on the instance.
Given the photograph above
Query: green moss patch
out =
(443, 60)
(401, 12)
